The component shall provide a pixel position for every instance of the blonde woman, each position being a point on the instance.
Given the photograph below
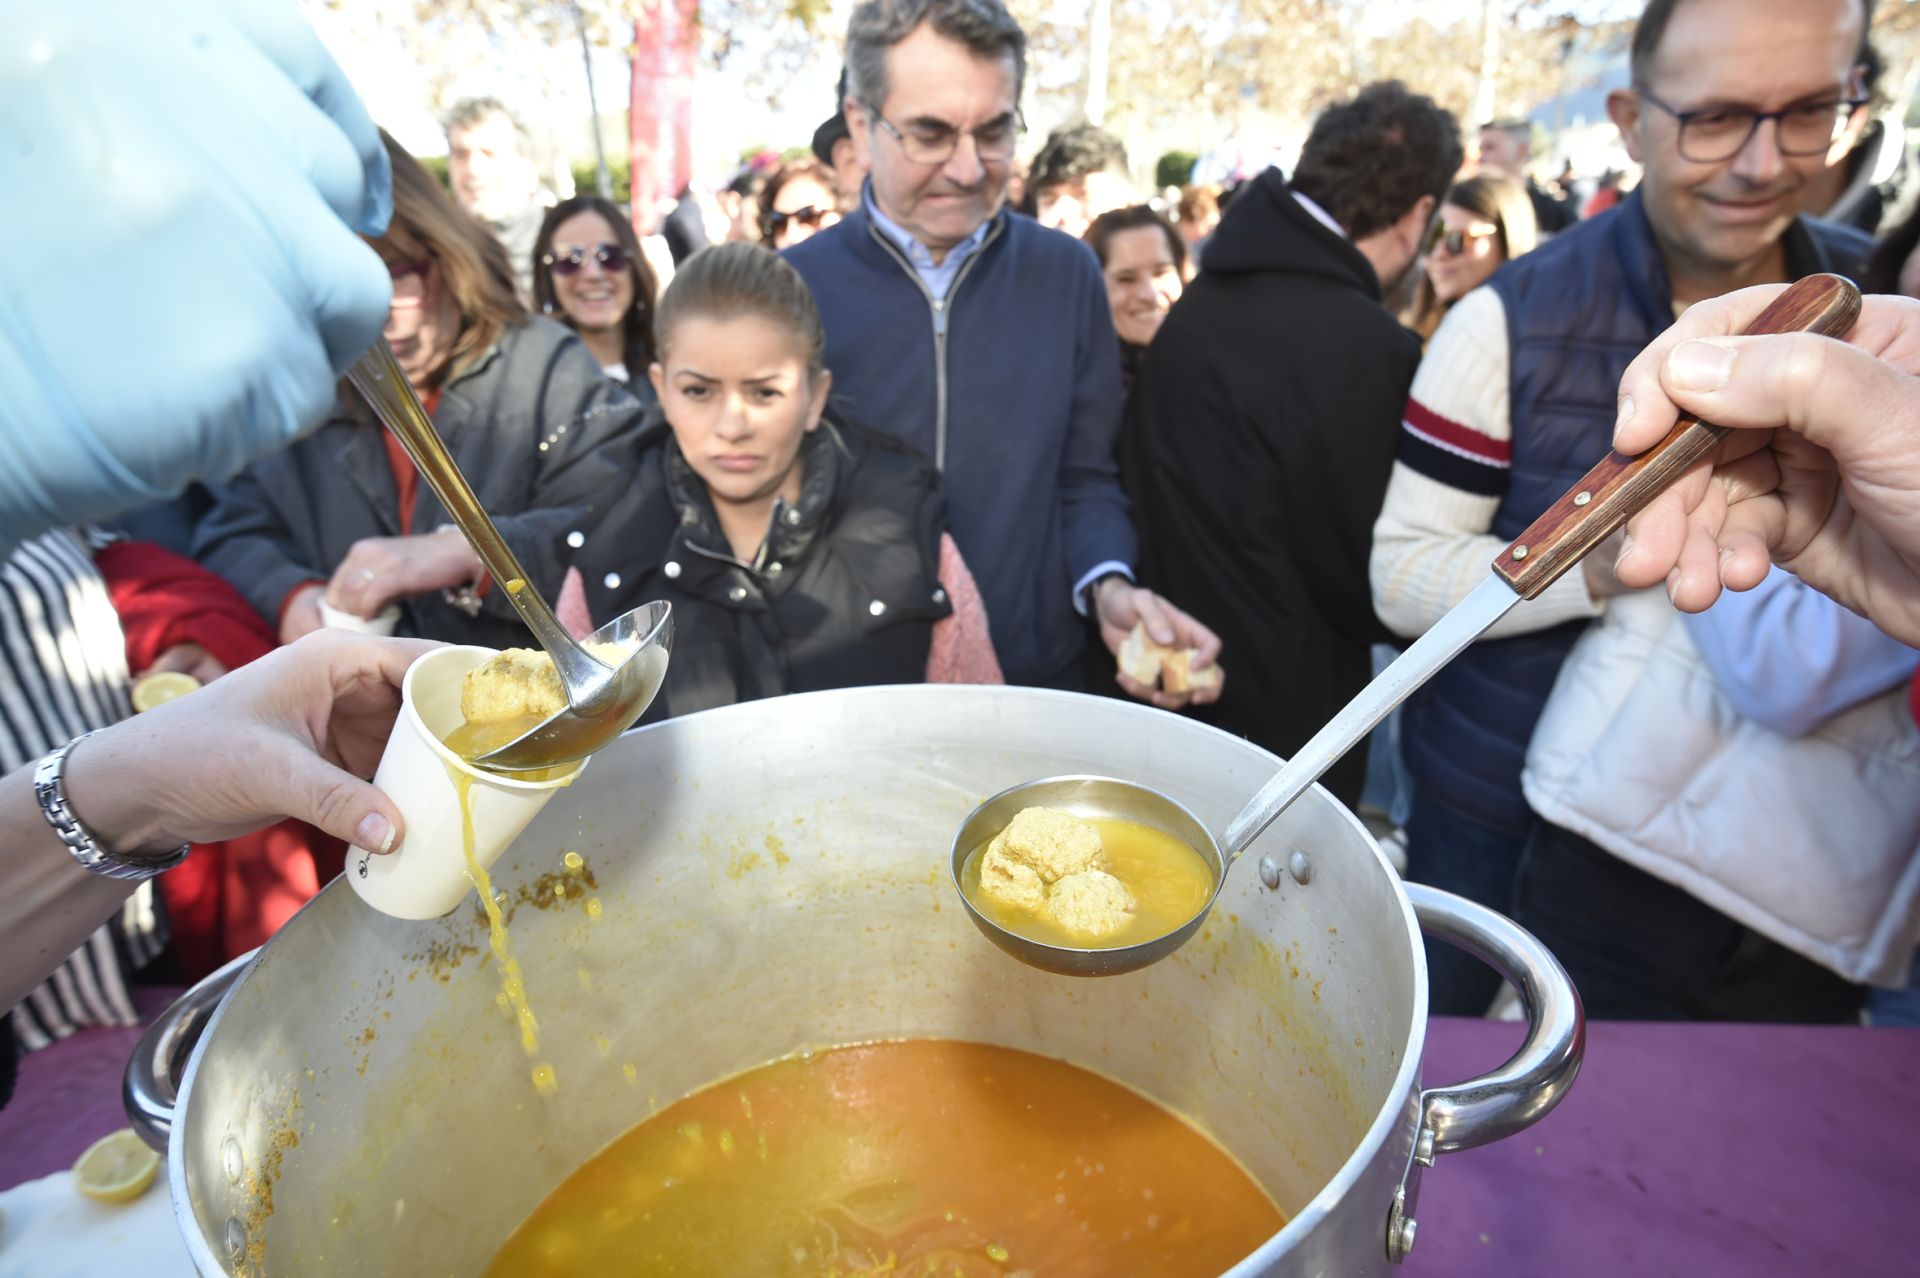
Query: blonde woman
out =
(544, 438)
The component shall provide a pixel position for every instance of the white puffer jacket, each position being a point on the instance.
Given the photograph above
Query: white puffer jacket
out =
(1811, 840)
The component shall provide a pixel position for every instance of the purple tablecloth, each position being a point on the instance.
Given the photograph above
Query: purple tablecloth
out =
(1686, 1150)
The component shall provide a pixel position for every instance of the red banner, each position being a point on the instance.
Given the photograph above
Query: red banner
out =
(665, 40)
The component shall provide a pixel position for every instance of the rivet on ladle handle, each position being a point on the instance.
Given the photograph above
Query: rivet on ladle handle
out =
(378, 377)
(1621, 486)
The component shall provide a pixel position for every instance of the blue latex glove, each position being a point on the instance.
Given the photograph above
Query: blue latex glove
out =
(181, 281)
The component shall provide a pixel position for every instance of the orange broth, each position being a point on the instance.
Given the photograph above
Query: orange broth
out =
(916, 1159)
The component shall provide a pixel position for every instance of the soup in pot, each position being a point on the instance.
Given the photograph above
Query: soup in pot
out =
(915, 1159)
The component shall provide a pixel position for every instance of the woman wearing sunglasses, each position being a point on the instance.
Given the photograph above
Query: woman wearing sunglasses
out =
(1485, 221)
(798, 201)
(341, 516)
(588, 273)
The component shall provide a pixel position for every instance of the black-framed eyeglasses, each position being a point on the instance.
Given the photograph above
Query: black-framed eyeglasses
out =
(1454, 242)
(1715, 134)
(611, 257)
(931, 142)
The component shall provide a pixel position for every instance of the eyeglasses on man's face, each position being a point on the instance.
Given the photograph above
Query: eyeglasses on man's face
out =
(1715, 134)
(611, 258)
(935, 141)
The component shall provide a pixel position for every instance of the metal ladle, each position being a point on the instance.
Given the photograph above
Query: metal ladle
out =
(602, 701)
(1615, 490)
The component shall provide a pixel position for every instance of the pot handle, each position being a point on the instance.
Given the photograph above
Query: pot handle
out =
(152, 1082)
(1520, 1092)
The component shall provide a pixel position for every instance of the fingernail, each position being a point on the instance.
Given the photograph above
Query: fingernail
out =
(374, 833)
(1626, 548)
(1625, 415)
(1701, 366)
(1673, 582)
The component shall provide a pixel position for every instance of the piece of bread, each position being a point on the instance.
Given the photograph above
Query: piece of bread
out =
(1171, 668)
(1177, 672)
(1140, 657)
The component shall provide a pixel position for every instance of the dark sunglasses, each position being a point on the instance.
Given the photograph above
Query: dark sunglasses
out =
(1455, 242)
(808, 216)
(612, 259)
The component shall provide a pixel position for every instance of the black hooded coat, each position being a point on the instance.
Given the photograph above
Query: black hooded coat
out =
(1258, 443)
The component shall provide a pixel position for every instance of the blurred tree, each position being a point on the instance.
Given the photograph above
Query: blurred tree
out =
(1209, 62)
(445, 38)
(1175, 168)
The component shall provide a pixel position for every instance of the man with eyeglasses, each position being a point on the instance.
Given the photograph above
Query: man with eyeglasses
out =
(1734, 108)
(984, 340)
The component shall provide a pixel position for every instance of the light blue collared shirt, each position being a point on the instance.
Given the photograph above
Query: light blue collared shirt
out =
(937, 276)
(1789, 658)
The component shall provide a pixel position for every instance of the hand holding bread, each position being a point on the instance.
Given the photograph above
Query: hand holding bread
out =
(1164, 656)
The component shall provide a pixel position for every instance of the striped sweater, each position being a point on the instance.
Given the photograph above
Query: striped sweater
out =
(63, 671)
(1432, 544)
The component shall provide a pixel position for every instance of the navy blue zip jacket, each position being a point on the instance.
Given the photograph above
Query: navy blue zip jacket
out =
(1012, 387)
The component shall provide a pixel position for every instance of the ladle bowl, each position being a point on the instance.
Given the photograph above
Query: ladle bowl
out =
(1088, 796)
(602, 700)
(647, 635)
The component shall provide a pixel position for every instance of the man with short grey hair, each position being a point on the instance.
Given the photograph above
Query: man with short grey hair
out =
(491, 166)
(985, 341)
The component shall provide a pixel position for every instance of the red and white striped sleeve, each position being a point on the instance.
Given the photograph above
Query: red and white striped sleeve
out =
(1433, 542)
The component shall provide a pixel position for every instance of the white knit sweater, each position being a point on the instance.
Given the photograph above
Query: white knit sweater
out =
(1432, 543)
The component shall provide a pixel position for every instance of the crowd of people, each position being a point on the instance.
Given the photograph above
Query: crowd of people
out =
(902, 409)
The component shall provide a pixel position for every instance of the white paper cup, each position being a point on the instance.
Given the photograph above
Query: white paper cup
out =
(426, 876)
(382, 624)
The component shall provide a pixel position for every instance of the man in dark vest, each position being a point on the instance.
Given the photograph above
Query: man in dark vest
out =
(1734, 107)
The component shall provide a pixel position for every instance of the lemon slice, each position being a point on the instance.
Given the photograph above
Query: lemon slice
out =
(161, 687)
(116, 1168)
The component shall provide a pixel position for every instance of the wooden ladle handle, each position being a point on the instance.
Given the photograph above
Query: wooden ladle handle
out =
(1621, 486)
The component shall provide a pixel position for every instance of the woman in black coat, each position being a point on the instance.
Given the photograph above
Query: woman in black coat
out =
(342, 516)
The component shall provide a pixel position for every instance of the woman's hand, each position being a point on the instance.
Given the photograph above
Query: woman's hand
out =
(382, 570)
(293, 734)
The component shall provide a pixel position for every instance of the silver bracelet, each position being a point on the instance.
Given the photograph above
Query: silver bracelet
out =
(50, 788)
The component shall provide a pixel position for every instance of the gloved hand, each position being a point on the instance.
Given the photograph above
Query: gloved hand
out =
(182, 281)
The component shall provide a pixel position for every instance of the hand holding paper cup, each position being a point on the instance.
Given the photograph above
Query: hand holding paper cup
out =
(427, 875)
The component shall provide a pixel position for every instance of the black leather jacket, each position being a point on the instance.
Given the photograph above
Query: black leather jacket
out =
(844, 592)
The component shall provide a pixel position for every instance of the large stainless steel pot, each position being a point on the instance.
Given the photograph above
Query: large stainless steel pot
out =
(774, 875)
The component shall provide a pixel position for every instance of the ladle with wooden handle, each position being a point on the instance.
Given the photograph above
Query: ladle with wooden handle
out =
(1616, 489)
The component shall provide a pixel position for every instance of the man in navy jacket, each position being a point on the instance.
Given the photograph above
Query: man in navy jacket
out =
(983, 339)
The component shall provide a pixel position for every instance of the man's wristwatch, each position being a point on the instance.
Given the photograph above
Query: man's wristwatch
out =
(50, 788)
